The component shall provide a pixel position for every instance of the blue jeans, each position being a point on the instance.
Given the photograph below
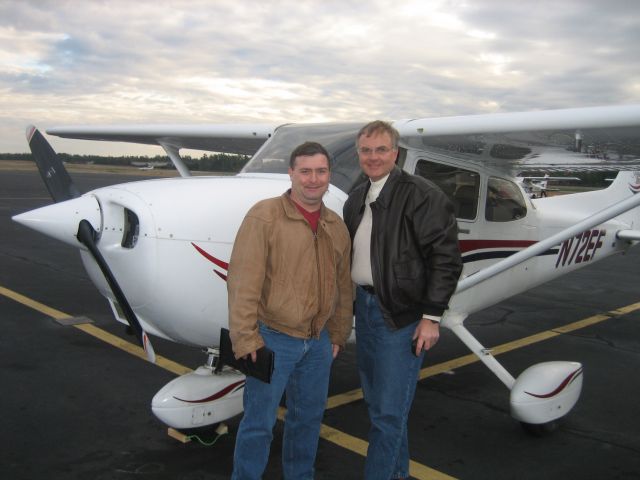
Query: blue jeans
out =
(301, 369)
(388, 374)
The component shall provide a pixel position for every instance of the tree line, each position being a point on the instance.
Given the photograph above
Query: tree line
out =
(223, 162)
(217, 162)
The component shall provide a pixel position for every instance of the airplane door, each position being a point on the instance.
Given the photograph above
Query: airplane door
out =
(462, 186)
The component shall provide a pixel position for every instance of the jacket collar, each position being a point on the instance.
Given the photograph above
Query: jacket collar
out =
(385, 194)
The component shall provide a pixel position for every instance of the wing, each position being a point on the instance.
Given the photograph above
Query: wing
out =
(581, 139)
(226, 138)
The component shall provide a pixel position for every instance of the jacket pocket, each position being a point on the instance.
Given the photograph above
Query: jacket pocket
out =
(279, 301)
(410, 279)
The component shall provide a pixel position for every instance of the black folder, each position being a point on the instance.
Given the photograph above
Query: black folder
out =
(262, 369)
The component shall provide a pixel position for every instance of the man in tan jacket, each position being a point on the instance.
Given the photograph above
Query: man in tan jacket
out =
(290, 289)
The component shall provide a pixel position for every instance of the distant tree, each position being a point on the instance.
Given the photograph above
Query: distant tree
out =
(217, 162)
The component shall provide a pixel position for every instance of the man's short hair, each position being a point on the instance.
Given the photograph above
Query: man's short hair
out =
(378, 127)
(308, 149)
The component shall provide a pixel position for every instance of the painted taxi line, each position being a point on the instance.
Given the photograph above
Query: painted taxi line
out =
(337, 437)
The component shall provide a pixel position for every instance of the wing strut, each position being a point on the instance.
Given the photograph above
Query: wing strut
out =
(174, 155)
(544, 245)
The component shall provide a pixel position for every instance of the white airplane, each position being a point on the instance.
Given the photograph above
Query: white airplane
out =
(158, 249)
(149, 165)
(537, 187)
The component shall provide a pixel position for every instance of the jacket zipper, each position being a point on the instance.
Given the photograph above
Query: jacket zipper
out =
(315, 245)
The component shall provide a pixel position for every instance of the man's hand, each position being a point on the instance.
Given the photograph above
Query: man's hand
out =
(426, 334)
(336, 350)
(254, 356)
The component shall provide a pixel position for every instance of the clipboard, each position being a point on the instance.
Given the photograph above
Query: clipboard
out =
(262, 369)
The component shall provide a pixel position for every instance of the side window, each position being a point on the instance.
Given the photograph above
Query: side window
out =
(461, 186)
(505, 202)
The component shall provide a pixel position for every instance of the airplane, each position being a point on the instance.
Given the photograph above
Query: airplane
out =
(538, 186)
(149, 165)
(158, 250)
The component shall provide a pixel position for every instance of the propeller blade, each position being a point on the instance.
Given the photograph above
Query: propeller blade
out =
(55, 176)
(87, 236)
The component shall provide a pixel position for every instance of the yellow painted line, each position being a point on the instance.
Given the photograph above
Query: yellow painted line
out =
(96, 332)
(330, 434)
(356, 394)
(417, 470)
(337, 437)
(359, 446)
(627, 309)
(51, 312)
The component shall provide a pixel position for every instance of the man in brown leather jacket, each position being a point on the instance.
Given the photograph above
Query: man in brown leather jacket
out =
(289, 289)
(406, 264)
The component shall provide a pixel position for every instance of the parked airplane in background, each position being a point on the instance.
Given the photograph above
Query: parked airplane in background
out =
(149, 165)
(537, 187)
(158, 249)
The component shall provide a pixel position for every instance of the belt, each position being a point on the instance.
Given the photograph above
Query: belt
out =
(368, 288)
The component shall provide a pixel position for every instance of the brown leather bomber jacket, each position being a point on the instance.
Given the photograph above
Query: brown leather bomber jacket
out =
(284, 276)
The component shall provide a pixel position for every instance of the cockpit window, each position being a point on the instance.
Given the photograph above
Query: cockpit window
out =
(338, 139)
(505, 202)
(461, 186)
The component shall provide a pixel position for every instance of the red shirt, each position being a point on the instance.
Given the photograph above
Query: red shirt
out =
(312, 217)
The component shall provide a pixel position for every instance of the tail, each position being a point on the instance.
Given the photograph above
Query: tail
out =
(55, 176)
(626, 184)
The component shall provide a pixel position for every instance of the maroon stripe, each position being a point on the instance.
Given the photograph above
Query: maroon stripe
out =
(210, 257)
(215, 396)
(221, 275)
(572, 376)
(470, 245)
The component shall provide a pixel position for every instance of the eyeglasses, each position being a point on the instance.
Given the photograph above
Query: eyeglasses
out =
(378, 150)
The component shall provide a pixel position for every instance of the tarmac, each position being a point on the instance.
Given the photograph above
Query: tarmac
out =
(75, 400)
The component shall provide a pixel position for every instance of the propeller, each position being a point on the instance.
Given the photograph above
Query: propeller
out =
(52, 171)
(61, 188)
(87, 236)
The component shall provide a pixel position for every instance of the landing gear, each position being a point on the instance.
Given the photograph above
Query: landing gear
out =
(213, 358)
(204, 397)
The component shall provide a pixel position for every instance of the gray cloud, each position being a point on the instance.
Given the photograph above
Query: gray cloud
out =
(70, 62)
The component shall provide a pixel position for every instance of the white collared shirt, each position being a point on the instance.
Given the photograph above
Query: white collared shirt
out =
(361, 264)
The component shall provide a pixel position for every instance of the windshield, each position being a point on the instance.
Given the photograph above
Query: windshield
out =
(338, 139)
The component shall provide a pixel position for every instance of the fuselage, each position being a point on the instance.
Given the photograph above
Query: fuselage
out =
(168, 241)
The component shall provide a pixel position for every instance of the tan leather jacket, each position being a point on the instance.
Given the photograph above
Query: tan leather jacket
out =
(284, 276)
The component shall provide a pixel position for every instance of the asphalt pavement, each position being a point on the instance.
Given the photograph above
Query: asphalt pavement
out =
(76, 407)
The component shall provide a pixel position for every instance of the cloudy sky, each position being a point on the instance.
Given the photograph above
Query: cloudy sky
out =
(104, 62)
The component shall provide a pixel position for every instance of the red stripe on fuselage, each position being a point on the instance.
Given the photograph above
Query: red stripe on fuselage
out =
(472, 245)
(210, 257)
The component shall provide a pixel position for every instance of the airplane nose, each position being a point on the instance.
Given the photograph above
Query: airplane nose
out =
(60, 220)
